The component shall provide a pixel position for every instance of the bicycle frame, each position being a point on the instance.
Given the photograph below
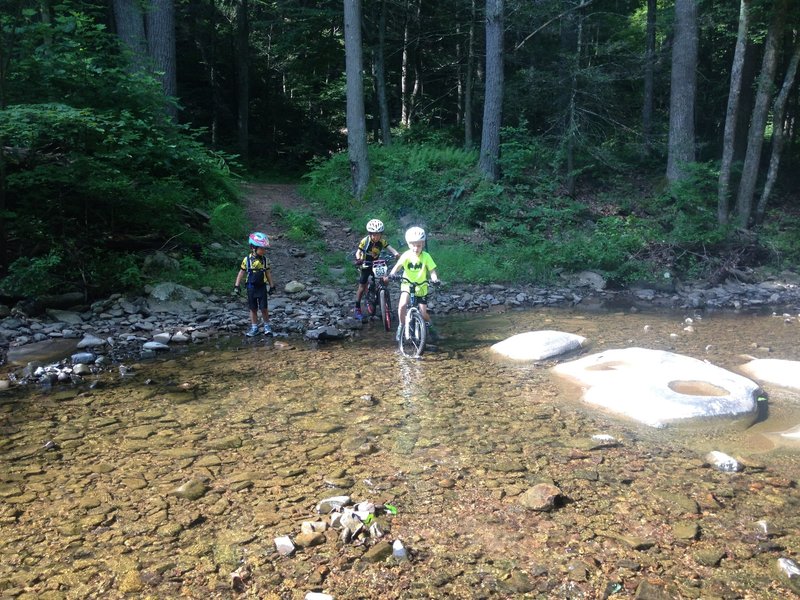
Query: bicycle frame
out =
(413, 334)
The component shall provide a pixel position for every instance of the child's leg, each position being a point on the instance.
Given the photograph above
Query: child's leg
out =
(402, 306)
(253, 316)
(423, 309)
(361, 289)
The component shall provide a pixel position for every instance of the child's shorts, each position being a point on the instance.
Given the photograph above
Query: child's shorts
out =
(257, 297)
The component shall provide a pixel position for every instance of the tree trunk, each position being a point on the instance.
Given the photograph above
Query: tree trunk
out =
(572, 119)
(758, 122)
(160, 19)
(778, 132)
(206, 42)
(493, 103)
(469, 142)
(380, 77)
(129, 22)
(729, 137)
(683, 90)
(404, 96)
(243, 79)
(356, 123)
(649, 75)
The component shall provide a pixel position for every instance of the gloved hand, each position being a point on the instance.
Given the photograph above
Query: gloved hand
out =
(271, 289)
(394, 276)
(237, 290)
(437, 282)
(358, 263)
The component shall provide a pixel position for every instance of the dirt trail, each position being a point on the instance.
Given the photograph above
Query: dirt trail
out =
(290, 259)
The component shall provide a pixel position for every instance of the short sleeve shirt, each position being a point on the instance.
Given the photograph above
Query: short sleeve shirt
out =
(257, 263)
(416, 268)
(372, 250)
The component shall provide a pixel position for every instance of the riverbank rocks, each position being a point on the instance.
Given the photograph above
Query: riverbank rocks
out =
(538, 345)
(657, 387)
(784, 373)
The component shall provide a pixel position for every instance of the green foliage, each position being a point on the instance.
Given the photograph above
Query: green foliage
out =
(92, 161)
(302, 226)
(228, 220)
(33, 276)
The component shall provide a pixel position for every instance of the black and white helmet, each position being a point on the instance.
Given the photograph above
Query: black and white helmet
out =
(375, 226)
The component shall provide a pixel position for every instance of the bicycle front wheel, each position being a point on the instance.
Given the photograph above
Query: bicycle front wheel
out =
(412, 340)
(386, 309)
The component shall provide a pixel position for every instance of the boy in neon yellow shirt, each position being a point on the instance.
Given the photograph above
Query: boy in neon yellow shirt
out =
(418, 266)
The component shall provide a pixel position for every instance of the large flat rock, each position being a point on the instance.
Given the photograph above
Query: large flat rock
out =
(657, 387)
(784, 373)
(538, 345)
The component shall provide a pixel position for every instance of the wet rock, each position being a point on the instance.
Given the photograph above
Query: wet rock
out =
(379, 552)
(328, 505)
(517, 582)
(647, 590)
(722, 462)
(194, 489)
(541, 497)
(789, 571)
(309, 539)
(284, 545)
(709, 557)
(686, 530)
(538, 345)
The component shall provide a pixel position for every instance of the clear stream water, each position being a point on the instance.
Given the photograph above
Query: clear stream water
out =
(272, 426)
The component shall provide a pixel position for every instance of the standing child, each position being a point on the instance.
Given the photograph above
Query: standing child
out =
(369, 249)
(418, 266)
(256, 268)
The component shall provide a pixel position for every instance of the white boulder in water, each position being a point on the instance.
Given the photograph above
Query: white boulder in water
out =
(785, 373)
(657, 387)
(538, 345)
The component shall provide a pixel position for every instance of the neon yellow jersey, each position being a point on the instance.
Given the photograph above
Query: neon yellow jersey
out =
(416, 269)
(256, 268)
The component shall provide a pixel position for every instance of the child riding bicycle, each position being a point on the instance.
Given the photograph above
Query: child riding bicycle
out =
(369, 249)
(418, 266)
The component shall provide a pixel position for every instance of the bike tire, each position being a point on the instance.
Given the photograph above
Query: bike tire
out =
(371, 299)
(386, 309)
(412, 340)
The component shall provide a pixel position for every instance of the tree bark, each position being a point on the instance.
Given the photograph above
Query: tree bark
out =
(380, 77)
(683, 91)
(243, 79)
(469, 142)
(731, 115)
(356, 123)
(648, 99)
(160, 20)
(129, 22)
(778, 132)
(758, 122)
(493, 103)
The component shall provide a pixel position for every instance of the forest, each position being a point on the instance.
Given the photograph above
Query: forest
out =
(642, 139)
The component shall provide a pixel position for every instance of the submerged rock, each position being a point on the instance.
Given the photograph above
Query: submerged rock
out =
(785, 373)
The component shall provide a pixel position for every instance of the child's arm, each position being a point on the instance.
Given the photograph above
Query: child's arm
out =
(269, 278)
(434, 276)
(394, 252)
(237, 285)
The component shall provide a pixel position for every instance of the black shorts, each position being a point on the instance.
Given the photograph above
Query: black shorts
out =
(364, 276)
(257, 297)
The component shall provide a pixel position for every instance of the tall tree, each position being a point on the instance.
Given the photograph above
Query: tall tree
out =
(493, 95)
(778, 131)
(243, 79)
(469, 68)
(758, 121)
(732, 114)
(379, 57)
(129, 21)
(649, 76)
(160, 21)
(683, 91)
(356, 122)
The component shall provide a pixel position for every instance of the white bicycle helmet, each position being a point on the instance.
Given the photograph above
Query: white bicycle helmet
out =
(375, 226)
(415, 234)
(259, 240)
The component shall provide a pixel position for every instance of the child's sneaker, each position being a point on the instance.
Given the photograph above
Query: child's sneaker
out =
(267, 329)
(432, 335)
(253, 331)
(357, 313)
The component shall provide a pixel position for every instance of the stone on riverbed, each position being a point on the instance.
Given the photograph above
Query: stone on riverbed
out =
(656, 387)
(538, 345)
(785, 373)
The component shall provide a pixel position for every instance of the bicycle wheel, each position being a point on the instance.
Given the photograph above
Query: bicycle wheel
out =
(372, 301)
(386, 309)
(412, 340)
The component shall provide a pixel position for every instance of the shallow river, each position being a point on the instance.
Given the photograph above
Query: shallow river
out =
(264, 430)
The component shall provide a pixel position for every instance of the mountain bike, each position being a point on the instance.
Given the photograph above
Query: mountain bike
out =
(414, 332)
(378, 296)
